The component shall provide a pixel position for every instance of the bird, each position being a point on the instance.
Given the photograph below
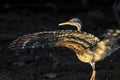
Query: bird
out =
(87, 47)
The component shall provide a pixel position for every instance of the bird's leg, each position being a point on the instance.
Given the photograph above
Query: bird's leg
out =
(94, 71)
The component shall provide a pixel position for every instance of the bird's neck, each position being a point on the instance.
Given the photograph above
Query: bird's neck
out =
(78, 27)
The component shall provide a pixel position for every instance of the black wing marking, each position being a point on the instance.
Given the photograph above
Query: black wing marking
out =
(50, 38)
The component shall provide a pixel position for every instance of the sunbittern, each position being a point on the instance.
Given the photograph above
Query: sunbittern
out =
(87, 47)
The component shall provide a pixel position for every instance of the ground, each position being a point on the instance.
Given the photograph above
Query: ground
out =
(53, 63)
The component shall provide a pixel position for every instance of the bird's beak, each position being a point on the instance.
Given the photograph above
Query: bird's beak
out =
(65, 23)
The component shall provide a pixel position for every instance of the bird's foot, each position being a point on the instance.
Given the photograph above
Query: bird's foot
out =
(93, 75)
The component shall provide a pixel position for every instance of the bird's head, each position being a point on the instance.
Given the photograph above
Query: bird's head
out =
(73, 22)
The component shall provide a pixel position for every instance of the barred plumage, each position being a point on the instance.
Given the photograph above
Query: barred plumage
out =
(40, 39)
(88, 48)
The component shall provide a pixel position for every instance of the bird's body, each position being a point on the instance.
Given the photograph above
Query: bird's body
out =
(87, 47)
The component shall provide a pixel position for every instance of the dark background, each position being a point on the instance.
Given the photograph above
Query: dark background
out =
(18, 17)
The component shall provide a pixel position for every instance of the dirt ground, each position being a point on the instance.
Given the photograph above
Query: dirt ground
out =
(53, 63)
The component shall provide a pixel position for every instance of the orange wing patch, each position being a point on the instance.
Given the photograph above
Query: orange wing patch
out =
(74, 46)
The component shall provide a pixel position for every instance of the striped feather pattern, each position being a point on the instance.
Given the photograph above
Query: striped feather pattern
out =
(40, 39)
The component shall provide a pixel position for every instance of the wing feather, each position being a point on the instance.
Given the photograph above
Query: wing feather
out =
(53, 38)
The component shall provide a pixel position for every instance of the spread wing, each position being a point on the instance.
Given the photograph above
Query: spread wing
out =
(67, 38)
(113, 37)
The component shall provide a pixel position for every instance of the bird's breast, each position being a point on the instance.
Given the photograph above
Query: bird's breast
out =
(82, 53)
(86, 56)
